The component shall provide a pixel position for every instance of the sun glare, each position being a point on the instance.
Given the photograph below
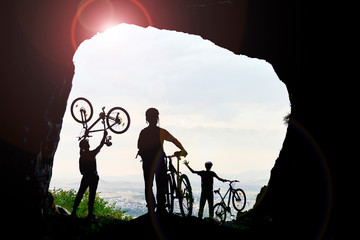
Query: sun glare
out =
(114, 33)
(110, 32)
(101, 15)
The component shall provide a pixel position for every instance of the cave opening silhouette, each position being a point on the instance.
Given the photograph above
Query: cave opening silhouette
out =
(37, 73)
(114, 68)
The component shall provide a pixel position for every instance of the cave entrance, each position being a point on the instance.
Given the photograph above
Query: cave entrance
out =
(223, 107)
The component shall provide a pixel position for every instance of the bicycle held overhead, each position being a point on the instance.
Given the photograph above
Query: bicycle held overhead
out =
(116, 120)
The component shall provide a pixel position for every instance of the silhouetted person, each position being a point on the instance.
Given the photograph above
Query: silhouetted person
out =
(150, 145)
(207, 182)
(87, 164)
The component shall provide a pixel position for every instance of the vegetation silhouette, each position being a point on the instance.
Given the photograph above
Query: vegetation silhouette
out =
(66, 198)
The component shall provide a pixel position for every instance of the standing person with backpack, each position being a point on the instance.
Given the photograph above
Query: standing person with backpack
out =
(150, 145)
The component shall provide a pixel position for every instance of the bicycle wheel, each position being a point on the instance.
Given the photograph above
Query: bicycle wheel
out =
(81, 110)
(220, 212)
(169, 194)
(118, 120)
(239, 199)
(186, 198)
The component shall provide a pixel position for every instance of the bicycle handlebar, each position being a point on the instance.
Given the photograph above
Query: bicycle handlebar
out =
(178, 155)
(232, 181)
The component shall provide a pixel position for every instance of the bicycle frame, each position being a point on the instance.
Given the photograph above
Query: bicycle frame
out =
(174, 171)
(229, 191)
(178, 187)
(238, 201)
(88, 130)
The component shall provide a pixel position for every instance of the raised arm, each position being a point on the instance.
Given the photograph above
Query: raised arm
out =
(191, 170)
(101, 143)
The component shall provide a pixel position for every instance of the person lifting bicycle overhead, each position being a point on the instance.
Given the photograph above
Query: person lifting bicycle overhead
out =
(150, 145)
(90, 178)
(207, 182)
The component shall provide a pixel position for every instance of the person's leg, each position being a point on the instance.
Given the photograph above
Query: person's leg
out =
(210, 199)
(161, 182)
(93, 184)
(202, 205)
(148, 179)
(83, 186)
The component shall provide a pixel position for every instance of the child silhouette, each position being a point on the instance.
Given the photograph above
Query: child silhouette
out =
(207, 182)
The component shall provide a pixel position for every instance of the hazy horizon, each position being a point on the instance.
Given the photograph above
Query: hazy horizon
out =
(127, 192)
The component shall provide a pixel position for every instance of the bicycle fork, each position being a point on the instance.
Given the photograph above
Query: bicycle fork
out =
(83, 118)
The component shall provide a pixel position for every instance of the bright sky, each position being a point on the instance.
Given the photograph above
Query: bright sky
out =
(222, 107)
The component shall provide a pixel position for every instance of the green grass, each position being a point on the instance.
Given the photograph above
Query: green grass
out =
(66, 198)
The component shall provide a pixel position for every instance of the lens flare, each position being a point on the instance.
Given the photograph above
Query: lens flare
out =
(84, 4)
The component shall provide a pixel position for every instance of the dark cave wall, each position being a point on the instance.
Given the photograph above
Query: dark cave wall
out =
(36, 74)
(36, 71)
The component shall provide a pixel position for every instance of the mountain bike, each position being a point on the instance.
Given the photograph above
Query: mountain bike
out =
(178, 186)
(221, 210)
(117, 119)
